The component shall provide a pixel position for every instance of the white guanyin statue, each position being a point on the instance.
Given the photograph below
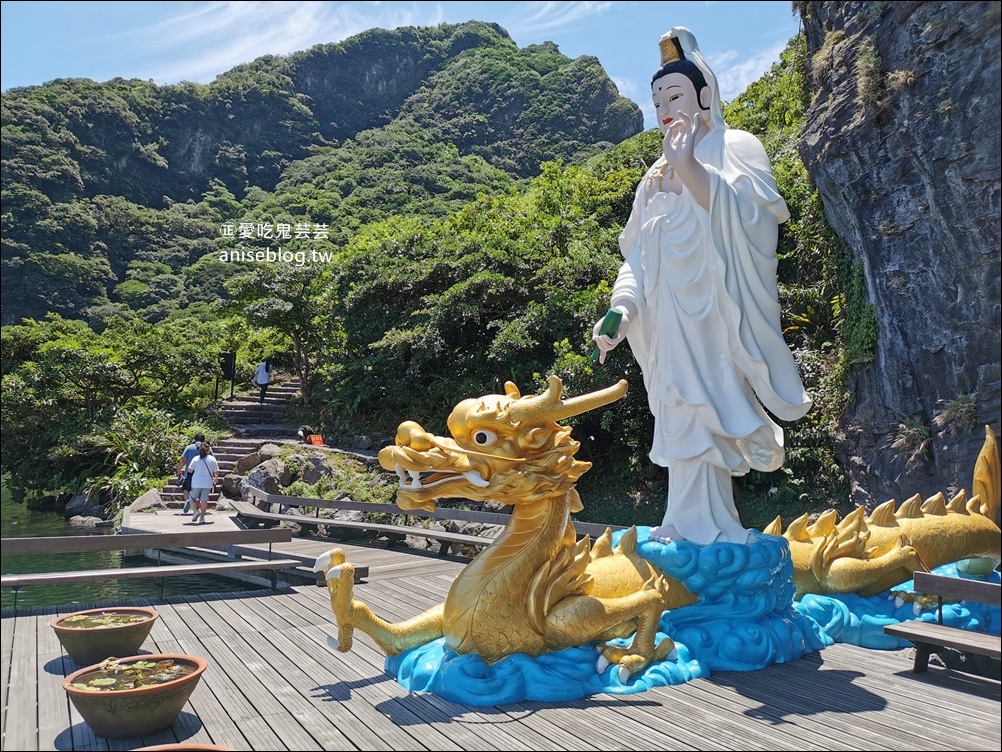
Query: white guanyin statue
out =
(698, 297)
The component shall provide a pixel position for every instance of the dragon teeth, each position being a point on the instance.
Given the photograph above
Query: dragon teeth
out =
(412, 478)
(475, 479)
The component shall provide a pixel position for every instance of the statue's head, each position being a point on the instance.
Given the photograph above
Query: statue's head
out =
(680, 86)
(684, 82)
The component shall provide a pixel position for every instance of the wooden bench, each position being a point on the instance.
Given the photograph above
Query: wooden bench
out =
(928, 637)
(260, 502)
(147, 542)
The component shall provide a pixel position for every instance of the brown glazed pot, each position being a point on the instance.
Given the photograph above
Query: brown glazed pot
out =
(93, 644)
(133, 713)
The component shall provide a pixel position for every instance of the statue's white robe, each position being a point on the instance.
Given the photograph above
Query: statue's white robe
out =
(707, 335)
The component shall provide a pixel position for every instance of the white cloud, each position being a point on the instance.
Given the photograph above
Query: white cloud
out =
(547, 16)
(734, 75)
(213, 38)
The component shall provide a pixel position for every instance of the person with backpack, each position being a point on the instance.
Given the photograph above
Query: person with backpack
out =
(187, 455)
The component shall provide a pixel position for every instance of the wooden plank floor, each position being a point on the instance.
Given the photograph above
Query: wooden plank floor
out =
(274, 684)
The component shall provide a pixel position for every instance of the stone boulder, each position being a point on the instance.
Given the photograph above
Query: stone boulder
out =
(231, 485)
(80, 503)
(315, 468)
(148, 500)
(271, 476)
(89, 521)
(247, 463)
(269, 451)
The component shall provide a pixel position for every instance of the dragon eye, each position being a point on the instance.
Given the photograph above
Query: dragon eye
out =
(484, 438)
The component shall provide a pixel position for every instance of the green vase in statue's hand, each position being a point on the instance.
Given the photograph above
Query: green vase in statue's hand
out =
(610, 330)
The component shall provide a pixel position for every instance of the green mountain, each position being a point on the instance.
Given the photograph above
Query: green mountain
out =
(111, 191)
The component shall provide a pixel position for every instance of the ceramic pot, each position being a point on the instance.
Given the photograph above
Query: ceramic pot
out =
(88, 645)
(136, 712)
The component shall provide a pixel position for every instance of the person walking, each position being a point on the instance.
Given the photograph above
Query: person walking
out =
(262, 377)
(205, 476)
(187, 455)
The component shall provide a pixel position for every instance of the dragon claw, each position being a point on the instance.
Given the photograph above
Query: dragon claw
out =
(341, 586)
(333, 557)
(631, 664)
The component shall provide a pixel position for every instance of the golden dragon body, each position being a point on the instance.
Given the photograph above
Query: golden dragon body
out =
(867, 554)
(538, 589)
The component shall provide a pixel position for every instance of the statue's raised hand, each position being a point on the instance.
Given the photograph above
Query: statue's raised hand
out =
(679, 147)
(679, 142)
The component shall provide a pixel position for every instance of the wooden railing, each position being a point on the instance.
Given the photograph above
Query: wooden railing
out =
(72, 544)
(259, 502)
(158, 542)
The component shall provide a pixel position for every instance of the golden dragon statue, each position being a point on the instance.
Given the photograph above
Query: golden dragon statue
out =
(537, 589)
(867, 554)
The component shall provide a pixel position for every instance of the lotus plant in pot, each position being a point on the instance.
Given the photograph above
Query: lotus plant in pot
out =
(95, 634)
(141, 695)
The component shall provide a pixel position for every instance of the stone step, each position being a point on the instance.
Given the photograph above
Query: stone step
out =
(253, 420)
(244, 399)
(178, 499)
(263, 416)
(227, 410)
(253, 399)
(266, 431)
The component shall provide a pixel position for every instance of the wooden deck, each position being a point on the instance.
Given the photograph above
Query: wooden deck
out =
(274, 684)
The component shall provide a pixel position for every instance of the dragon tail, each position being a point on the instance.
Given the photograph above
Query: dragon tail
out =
(987, 483)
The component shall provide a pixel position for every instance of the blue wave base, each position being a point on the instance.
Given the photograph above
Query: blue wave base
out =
(746, 619)
(856, 620)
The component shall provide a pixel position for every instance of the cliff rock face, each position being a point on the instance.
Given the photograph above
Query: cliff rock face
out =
(902, 140)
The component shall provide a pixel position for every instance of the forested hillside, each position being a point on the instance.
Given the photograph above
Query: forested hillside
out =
(112, 190)
(448, 208)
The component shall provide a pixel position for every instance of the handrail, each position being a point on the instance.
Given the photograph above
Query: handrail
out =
(88, 543)
(442, 513)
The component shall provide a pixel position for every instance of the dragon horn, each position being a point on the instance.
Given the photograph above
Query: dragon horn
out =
(548, 406)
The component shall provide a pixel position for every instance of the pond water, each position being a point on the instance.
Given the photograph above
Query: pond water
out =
(17, 521)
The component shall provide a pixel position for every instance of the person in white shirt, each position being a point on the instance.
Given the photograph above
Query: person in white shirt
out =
(262, 377)
(205, 475)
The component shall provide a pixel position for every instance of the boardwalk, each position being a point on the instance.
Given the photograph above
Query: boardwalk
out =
(274, 684)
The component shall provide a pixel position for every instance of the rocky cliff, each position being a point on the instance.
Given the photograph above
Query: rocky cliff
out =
(902, 140)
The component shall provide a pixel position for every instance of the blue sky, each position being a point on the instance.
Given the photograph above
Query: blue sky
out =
(170, 42)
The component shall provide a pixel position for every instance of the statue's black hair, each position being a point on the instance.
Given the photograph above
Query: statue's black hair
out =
(688, 69)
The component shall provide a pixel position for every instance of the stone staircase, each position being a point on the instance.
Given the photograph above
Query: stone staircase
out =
(248, 418)
(253, 424)
(226, 455)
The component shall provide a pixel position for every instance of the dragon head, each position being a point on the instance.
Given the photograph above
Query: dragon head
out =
(503, 447)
